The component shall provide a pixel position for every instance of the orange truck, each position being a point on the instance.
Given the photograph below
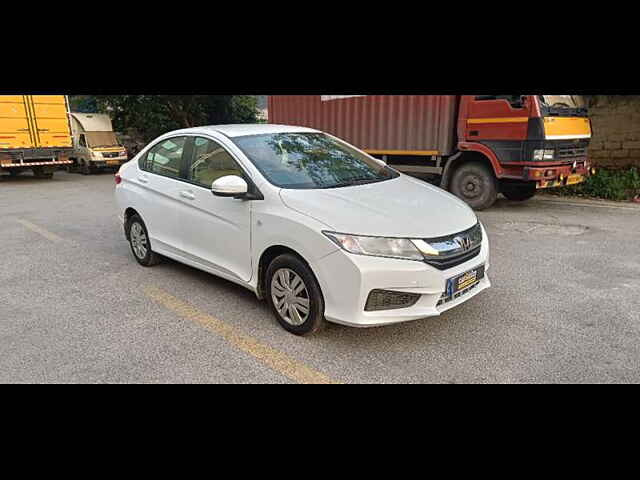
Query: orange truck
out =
(35, 134)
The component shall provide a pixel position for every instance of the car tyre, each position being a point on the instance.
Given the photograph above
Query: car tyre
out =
(294, 295)
(475, 183)
(140, 242)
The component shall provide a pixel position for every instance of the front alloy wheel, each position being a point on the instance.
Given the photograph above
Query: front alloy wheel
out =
(290, 296)
(294, 295)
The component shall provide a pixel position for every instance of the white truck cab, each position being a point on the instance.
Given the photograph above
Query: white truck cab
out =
(95, 143)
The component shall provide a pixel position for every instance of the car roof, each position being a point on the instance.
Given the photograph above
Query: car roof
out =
(243, 129)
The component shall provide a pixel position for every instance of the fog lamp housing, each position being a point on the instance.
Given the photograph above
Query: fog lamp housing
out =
(389, 300)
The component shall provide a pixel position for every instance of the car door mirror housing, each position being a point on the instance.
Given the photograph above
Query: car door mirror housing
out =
(230, 186)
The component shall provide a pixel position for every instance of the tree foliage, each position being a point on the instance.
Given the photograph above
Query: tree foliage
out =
(148, 116)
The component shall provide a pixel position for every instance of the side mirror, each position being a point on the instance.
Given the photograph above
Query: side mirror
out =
(230, 186)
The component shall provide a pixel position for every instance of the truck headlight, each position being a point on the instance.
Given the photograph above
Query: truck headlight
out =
(543, 154)
(96, 154)
(376, 246)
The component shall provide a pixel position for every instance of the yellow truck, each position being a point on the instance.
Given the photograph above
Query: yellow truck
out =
(35, 134)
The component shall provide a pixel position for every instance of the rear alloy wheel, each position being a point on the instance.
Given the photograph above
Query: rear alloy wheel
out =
(294, 295)
(519, 192)
(475, 183)
(140, 243)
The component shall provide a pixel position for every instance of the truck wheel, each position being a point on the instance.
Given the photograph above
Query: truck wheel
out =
(40, 172)
(519, 193)
(475, 183)
(85, 167)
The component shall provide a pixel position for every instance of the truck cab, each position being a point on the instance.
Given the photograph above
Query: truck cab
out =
(527, 143)
(95, 143)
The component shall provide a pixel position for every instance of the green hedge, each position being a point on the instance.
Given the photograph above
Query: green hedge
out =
(608, 184)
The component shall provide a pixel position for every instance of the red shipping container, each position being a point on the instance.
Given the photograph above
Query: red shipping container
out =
(379, 124)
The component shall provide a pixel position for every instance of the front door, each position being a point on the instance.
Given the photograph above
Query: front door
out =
(215, 230)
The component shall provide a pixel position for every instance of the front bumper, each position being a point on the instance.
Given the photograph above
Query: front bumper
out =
(347, 280)
(109, 162)
(550, 176)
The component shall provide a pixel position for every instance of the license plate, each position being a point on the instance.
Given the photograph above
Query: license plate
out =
(113, 162)
(464, 280)
(575, 178)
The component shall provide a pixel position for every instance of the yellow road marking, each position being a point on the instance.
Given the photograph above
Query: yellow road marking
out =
(274, 359)
(39, 230)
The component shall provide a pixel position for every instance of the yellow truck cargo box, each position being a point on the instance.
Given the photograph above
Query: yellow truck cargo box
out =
(34, 121)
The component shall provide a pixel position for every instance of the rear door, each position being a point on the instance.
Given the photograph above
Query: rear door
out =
(15, 123)
(50, 120)
(160, 178)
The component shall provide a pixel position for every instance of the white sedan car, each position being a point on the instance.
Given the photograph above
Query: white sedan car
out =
(319, 228)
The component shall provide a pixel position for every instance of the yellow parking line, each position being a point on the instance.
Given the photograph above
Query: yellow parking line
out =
(39, 230)
(274, 359)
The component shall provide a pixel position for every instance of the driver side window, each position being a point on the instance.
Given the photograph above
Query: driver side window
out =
(210, 161)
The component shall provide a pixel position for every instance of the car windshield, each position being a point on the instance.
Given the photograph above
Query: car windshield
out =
(310, 160)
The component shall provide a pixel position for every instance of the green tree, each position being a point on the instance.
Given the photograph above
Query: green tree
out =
(148, 116)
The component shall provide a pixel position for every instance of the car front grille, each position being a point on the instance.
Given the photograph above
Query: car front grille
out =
(110, 154)
(452, 250)
(450, 262)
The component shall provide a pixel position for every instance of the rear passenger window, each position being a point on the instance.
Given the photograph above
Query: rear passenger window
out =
(166, 158)
(210, 161)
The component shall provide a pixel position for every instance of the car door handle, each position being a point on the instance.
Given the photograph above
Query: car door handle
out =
(142, 179)
(188, 195)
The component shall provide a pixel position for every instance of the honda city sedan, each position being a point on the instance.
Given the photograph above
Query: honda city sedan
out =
(317, 227)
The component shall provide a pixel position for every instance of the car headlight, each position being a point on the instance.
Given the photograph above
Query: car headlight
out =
(376, 246)
(543, 154)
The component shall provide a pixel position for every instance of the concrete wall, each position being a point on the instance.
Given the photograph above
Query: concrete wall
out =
(616, 130)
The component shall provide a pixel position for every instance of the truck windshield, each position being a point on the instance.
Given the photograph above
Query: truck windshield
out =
(102, 139)
(563, 105)
(566, 101)
(310, 160)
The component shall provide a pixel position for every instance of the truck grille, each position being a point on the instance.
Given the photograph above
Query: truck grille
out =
(571, 152)
(110, 154)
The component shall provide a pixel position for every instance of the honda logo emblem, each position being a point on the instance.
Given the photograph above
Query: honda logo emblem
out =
(463, 242)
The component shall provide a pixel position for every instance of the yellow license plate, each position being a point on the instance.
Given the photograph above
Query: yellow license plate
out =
(573, 179)
(113, 162)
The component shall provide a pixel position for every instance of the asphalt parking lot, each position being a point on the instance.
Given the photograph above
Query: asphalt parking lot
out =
(76, 307)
